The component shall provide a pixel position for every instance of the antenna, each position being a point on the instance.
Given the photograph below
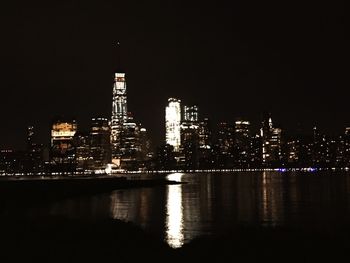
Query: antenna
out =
(118, 55)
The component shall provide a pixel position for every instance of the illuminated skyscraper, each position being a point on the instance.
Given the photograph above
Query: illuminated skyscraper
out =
(225, 144)
(189, 137)
(119, 114)
(190, 114)
(62, 143)
(242, 142)
(173, 123)
(271, 142)
(189, 125)
(130, 146)
(100, 150)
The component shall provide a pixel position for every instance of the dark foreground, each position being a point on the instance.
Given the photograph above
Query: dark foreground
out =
(62, 240)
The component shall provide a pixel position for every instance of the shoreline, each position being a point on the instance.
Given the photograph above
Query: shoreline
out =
(120, 173)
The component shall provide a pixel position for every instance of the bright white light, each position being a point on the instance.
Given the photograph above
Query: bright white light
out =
(109, 168)
(174, 218)
(173, 123)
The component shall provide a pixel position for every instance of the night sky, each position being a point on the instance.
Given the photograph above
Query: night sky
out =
(232, 58)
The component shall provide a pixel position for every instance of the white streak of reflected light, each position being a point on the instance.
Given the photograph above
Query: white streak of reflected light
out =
(174, 218)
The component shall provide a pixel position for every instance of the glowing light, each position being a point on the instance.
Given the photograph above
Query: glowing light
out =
(173, 123)
(109, 168)
(174, 216)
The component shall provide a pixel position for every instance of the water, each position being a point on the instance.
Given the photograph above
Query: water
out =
(214, 203)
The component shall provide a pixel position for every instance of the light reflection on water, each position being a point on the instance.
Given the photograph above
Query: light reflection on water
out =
(217, 203)
(174, 213)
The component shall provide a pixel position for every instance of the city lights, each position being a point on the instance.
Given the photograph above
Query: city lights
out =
(191, 144)
(173, 123)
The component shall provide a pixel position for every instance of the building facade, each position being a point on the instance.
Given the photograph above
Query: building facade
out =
(271, 142)
(242, 143)
(62, 144)
(173, 123)
(119, 115)
(100, 145)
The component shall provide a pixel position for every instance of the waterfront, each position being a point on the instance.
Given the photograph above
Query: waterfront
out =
(212, 204)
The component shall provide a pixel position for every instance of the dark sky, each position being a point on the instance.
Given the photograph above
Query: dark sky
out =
(232, 58)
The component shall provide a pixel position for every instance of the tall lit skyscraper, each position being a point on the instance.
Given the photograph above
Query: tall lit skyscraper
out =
(173, 123)
(119, 113)
(189, 124)
(242, 142)
(189, 137)
(271, 141)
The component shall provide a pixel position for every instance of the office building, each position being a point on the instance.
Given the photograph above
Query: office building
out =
(173, 123)
(100, 145)
(119, 115)
(242, 143)
(271, 142)
(62, 144)
(190, 113)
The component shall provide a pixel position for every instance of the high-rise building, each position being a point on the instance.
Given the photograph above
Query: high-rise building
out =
(34, 153)
(271, 142)
(119, 115)
(320, 148)
(204, 134)
(82, 150)
(189, 137)
(189, 124)
(190, 113)
(173, 123)
(225, 137)
(62, 143)
(146, 153)
(205, 144)
(292, 151)
(255, 151)
(242, 142)
(100, 146)
(225, 145)
(130, 143)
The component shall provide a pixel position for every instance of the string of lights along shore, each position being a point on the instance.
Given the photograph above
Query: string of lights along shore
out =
(191, 143)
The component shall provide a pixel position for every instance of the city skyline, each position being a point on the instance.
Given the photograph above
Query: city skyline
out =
(174, 131)
(191, 142)
(255, 126)
(246, 59)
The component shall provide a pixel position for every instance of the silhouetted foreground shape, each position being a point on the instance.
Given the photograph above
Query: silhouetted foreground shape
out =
(62, 240)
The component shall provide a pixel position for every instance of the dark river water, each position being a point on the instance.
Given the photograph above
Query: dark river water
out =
(214, 203)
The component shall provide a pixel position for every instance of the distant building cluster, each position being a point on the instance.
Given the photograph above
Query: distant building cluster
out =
(118, 143)
(191, 142)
